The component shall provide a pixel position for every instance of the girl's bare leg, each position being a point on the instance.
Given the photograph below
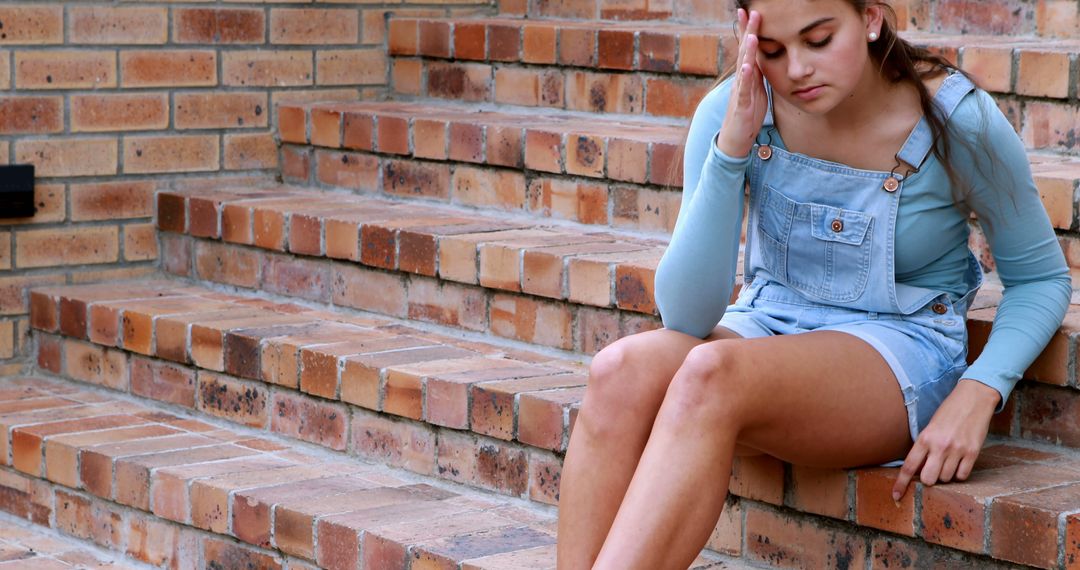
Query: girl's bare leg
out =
(627, 383)
(822, 399)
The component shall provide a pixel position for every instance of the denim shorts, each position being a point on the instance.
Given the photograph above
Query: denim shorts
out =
(926, 350)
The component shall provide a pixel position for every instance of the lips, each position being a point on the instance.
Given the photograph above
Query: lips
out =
(808, 93)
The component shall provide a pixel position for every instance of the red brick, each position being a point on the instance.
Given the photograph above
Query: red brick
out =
(218, 26)
(119, 112)
(1043, 73)
(406, 76)
(140, 242)
(470, 41)
(616, 49)
(188, 153)
(577, 47)
(504, 42)
(219, 110)
(103, 367)
(117, 25)
(874, 506)
(538, 43)
(520, 318)
(32, 24)
(504, 146)
(314, 26)
(350, 67)
(820, 491)
(600, 92)
(392, 135)
(175, 68)
(221, 554)
(89, 519)
(250, 152)
(245, 403)
(267, 68)
(447, 304)
(359, 131)
(698, 54)
(780, 539)
(69, 157)
(991, 66)
(66, 246)
(657, 52)
(674, 98)
(31, 115)
(415, 179)
(223, 264)
(403, 37)
(369, 290)
(65, 69)
(483, 187)
(309, 420)
(461, 81)
(1025, 526)
(434, 38)
(954, 515)
(163, 382)
(111, 200)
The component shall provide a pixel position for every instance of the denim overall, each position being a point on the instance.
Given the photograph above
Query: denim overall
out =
(820, 251)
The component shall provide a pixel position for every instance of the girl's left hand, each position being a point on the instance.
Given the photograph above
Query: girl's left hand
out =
(951, 442)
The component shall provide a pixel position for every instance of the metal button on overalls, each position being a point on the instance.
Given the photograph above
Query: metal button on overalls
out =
(939, 308)
(837, 226)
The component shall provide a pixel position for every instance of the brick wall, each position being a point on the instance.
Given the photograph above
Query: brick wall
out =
(111, 101)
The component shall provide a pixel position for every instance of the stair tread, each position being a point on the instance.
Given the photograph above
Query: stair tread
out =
(38, 547)
(392, 506)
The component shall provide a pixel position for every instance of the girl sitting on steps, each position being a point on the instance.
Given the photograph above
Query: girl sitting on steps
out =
(847, 344)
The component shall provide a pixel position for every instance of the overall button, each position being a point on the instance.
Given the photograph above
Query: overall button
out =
(837, 225)
(764, 152)
(939, 308)
(891, 184)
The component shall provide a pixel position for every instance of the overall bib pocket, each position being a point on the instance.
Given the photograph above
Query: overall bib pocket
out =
(820, 250)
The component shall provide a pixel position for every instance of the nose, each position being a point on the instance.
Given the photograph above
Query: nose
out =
(798, 67)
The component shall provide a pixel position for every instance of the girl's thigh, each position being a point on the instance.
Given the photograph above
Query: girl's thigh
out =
(824, 398)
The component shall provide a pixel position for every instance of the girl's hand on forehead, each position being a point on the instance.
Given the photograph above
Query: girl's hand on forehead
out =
(748, 102)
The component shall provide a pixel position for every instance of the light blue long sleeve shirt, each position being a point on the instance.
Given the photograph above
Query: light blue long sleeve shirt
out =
(696, 276)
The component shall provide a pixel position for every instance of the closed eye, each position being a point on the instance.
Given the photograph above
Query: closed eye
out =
(817, 45)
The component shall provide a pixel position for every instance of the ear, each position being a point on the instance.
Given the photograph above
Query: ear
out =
(874, 18)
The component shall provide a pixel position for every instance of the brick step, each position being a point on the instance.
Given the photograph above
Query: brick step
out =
(661, 69)
(493, 418)
(23, 545)
(177, 492)
(1044, 18)
(607, 171)
(431, 263)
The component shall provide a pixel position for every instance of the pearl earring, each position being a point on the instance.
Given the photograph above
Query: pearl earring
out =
(873, 36)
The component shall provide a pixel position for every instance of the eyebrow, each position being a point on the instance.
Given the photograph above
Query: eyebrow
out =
(805, 29)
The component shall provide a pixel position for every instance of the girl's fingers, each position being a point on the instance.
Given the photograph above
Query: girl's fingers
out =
(964, 470)
(948, 470)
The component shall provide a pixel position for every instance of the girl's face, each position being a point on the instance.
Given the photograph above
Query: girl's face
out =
(814, 53)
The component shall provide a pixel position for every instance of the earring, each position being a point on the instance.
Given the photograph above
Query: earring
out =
(873, 36)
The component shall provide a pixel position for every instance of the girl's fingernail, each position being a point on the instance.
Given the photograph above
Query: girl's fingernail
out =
(896, 497)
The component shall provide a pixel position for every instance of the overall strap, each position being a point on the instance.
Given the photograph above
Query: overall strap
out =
(921, 140)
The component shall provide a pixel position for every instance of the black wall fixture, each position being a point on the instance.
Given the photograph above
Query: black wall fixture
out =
(17, 191)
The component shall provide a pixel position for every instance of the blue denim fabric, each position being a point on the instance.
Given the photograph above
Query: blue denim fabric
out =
(820, 256)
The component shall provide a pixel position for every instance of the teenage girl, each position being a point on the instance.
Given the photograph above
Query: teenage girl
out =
(864, 157)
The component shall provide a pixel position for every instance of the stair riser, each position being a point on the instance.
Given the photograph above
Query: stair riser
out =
(548, 322)
(1048, 18)
(1044, 119)
(600, 202)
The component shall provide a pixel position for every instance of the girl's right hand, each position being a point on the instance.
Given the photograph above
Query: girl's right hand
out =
(748, 102)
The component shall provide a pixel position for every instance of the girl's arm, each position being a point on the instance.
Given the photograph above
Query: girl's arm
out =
(696, 275)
